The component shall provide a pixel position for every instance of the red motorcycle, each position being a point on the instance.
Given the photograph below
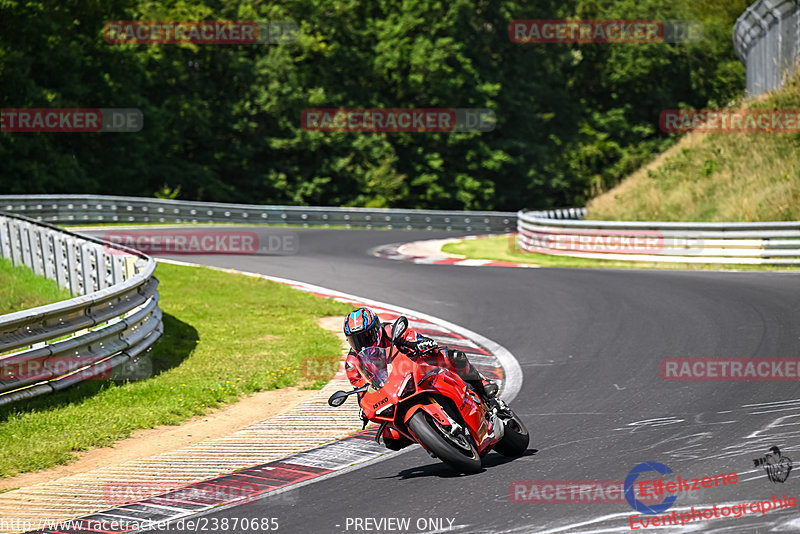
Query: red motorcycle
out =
(434, 407)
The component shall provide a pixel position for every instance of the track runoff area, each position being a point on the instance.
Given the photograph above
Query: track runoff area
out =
(185, 509)
(591, 343)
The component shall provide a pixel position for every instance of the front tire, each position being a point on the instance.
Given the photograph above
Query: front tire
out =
(515, 438)
(463, 457)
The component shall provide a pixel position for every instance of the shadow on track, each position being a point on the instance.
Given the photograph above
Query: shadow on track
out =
(441, 470)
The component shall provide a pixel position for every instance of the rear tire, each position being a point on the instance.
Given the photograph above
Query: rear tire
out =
(515, 439)
(464, 459)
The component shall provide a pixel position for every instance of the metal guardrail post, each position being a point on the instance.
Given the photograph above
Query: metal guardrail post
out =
(102, 327)
(99, 209)
(115, 290)
(725, 243)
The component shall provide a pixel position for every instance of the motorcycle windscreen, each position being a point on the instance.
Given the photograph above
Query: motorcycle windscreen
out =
(372, 362)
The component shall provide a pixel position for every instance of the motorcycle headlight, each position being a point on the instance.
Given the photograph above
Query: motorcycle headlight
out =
(386, 412)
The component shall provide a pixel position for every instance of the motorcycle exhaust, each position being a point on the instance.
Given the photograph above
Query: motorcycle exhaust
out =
(498, 427)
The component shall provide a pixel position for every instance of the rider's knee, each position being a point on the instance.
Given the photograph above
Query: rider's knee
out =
(458, 359)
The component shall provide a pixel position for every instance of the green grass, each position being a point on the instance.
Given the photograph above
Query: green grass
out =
(226, 336)
(20, 288)
(716, 177)
(502, 248)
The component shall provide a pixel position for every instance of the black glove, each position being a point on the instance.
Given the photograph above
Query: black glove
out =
(426, 344)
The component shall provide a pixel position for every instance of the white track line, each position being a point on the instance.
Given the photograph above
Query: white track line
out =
(511, 386)
(511, 367)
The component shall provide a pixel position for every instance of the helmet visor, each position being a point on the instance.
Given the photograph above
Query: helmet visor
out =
(366, 338)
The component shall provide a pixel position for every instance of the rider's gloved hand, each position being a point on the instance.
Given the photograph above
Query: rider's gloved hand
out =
(426, 344)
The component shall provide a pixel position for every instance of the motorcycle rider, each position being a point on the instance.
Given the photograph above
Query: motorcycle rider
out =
(363, 328)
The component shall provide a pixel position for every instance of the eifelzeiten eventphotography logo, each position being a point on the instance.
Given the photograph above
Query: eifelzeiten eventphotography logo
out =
(202, 32)
(74, 120)
(775, 465)
(610, 31)
(419, 120)
(654, 516)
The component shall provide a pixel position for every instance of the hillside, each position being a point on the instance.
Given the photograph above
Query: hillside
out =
(716, 177)
(225, 123)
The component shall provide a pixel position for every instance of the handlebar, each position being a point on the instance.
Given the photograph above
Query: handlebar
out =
(416, 352)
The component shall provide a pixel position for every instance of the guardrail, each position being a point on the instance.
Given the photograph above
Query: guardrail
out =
(677, 242)
(104, 209)
(767, 40)
(102, 332)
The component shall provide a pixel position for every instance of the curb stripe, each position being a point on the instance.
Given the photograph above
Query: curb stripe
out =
(330, 459)
(391, 252)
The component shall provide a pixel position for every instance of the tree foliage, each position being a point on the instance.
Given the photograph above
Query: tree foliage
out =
(222, 122)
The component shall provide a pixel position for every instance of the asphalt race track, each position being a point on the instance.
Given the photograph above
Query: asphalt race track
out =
(589, 343)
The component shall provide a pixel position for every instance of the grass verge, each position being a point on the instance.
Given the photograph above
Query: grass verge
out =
(722, 177)
(226, 336)
(21, 289)
(498, 248)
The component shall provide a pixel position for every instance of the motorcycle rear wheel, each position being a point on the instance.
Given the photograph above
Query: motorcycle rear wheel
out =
(456, 450)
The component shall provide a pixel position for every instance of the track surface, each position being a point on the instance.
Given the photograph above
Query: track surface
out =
(589, 343)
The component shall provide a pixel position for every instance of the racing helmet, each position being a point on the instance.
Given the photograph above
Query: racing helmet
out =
(362, 329)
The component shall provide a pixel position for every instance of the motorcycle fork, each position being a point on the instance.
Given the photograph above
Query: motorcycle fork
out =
(454, 426)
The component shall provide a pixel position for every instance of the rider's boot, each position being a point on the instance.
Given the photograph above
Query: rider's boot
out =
(393, 440)
(485, 388)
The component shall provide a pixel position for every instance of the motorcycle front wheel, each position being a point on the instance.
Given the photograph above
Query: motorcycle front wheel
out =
(455, 449)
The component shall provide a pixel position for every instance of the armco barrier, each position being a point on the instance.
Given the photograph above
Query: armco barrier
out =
(99, 208)
(103, 331)
(767, 40)
(731, 243)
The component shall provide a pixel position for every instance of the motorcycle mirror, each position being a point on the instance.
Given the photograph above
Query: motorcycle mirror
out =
(338, 398)
(399, 328)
